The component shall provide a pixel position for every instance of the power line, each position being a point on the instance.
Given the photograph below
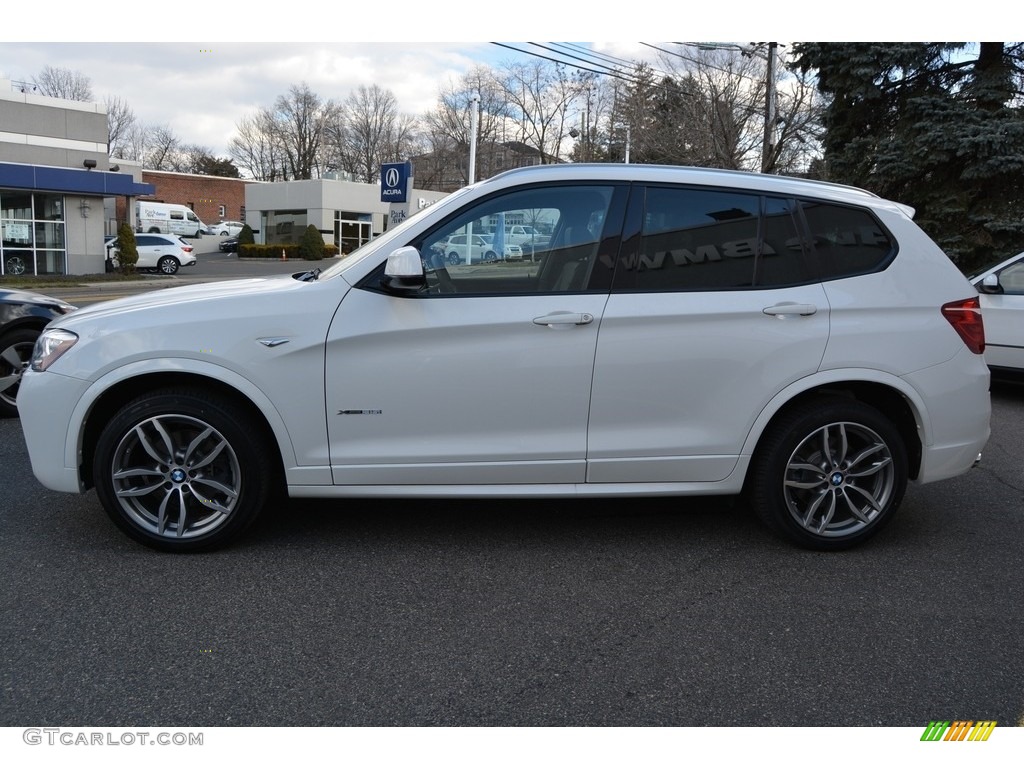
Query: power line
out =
(605, 70)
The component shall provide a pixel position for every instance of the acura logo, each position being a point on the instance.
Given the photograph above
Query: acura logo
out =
(391, 177)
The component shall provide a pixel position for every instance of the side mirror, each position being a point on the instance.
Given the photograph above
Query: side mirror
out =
(990, 285)
(403, 273)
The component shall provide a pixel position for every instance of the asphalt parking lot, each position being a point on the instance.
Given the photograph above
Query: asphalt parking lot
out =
(551, 613)
(666, 612)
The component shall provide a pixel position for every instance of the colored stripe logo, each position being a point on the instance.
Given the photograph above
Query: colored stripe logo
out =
(958, 730)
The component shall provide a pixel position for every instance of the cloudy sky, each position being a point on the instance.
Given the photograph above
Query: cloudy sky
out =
(202, 88)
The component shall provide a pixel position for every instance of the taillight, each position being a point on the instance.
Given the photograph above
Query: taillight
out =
(965, 317)
(187, 248)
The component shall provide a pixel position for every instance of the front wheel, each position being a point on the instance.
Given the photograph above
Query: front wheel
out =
(15, 354)
(182, 470)
(168, 265)
(829, 475)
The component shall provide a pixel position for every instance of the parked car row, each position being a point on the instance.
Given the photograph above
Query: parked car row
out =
(160, 253)
(460, 248)
(230, 228)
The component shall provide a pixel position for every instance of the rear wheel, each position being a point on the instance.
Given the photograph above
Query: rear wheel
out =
(182, 470)
(829, 475)
(168, 265)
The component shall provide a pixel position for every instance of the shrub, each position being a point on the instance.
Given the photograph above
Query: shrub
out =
(311, 246)
(127, 250)
(246, 236)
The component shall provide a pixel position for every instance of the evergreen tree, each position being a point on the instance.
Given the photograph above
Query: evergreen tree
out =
(246, 236)
(311, 246)
(127, 249)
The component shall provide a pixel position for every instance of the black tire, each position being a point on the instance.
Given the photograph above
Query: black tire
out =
(167, 265)
(183, 470)
(829, 475)
(154, 230)
(454, 258)
(490, 256)
(15, 354)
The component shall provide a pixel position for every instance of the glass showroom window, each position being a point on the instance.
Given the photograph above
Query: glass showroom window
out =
(33, 234)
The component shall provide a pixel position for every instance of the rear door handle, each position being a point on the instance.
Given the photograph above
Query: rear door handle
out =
(564, 319)
(790, 308)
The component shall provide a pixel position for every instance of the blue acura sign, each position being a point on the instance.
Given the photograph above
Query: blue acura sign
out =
(394, 182)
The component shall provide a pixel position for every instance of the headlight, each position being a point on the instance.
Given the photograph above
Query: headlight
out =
(50, 345)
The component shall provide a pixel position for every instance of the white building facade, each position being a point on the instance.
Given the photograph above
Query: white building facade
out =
(346, 213)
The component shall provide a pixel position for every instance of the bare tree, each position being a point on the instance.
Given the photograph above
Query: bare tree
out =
(446, 131)
(120, 121)
(539, 96)
(299, 119)
(135, 142)
(255, 147)
(370, 131)
(727, 107)
(63, 84)
(163, 150)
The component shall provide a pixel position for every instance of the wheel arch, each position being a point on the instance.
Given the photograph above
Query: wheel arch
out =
(28, 322)
(892, 398)
(122, 391)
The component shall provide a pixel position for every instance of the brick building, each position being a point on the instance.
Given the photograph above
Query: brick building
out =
(213, 198)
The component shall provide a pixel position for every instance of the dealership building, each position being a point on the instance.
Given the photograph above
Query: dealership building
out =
(60, 194)
(55, 183)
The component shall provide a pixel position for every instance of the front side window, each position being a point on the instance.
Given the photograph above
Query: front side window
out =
(540, 240)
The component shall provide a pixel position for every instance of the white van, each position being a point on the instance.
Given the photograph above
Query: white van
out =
(168, 219)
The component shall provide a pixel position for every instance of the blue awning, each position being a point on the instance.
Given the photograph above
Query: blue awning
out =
(47, 178)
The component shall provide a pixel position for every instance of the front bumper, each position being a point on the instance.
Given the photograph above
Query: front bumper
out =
(46, 406)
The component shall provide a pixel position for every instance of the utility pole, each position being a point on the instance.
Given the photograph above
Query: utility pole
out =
(474, 106)
(768, 144)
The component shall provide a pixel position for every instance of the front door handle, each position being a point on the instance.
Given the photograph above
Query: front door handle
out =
(790, 308)
(564, 319)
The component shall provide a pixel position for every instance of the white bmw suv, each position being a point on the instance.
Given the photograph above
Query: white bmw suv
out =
(683, 331)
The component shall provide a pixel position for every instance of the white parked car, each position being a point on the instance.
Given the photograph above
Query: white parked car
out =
(161, 253)
(231, 228)
(483, 249)
(718, 333)
(1002, 305)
